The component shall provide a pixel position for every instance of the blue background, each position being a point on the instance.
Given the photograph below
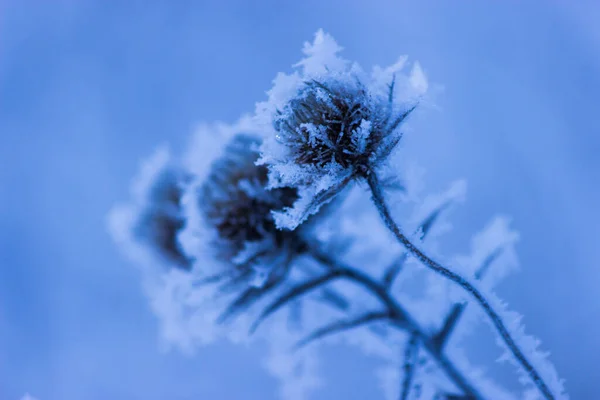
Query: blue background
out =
(87, 89)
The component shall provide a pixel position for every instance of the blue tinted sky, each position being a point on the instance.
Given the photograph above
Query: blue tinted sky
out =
(87, 89)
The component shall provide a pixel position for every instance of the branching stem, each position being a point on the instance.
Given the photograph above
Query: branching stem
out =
(399, 317)
(384, 212)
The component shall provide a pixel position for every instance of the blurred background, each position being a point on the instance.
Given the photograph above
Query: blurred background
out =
(90, 88)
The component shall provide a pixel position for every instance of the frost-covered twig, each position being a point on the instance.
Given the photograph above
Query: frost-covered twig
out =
(397, 314)
(458, 309)
(425, 226)
(344, 325)
(328, 295)
(394, 269)
(384, 212)
(247, 298)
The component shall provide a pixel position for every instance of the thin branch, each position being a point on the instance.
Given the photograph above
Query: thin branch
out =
(393, 270)
(337, 300)
(391, 91)
(401, 117)
(342, 326)
(253, 294)
(332, 297)
(485, 265)
(449, 396)
(458, 309)
(245, 300)
(294, 293)
(441, 338)
(425, 226)
(400, 318)
(324, 197)
(428, 222)
(379, 201)
(397, 315)
(410, 359)
(328, 296)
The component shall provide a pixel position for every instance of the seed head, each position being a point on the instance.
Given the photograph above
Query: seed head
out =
(160, 220)
(237, 206)
(338, 122)
(334, 130)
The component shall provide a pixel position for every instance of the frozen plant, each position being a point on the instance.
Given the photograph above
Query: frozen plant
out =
(272, 217)
(240, 233)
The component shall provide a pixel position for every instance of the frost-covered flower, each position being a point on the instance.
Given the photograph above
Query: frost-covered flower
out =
(160, 222)
(236, 206)
(330, 124)
(338, 124)
(147, 228)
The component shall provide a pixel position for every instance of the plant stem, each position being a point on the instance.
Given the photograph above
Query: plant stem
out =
(458, 309)
(401, 318)
(411, 354)
(384, 212)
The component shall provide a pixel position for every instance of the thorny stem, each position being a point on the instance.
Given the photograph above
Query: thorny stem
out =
(384, 212)
(399, 316)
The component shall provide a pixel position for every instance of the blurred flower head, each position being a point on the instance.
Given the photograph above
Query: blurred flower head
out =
(236, 206)
(160, 223)
(148, 227)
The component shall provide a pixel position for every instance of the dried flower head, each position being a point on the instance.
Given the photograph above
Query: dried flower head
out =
(335, 130)
(331, 123)
(339, 124)
(237, 206)
(154, 222)
(160, 223)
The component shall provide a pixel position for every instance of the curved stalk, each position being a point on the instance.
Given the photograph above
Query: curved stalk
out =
(384, 212)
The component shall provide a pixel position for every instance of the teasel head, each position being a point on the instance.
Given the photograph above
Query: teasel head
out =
(236, 207)
(338, 122)
(335, 130)
(159, 217)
